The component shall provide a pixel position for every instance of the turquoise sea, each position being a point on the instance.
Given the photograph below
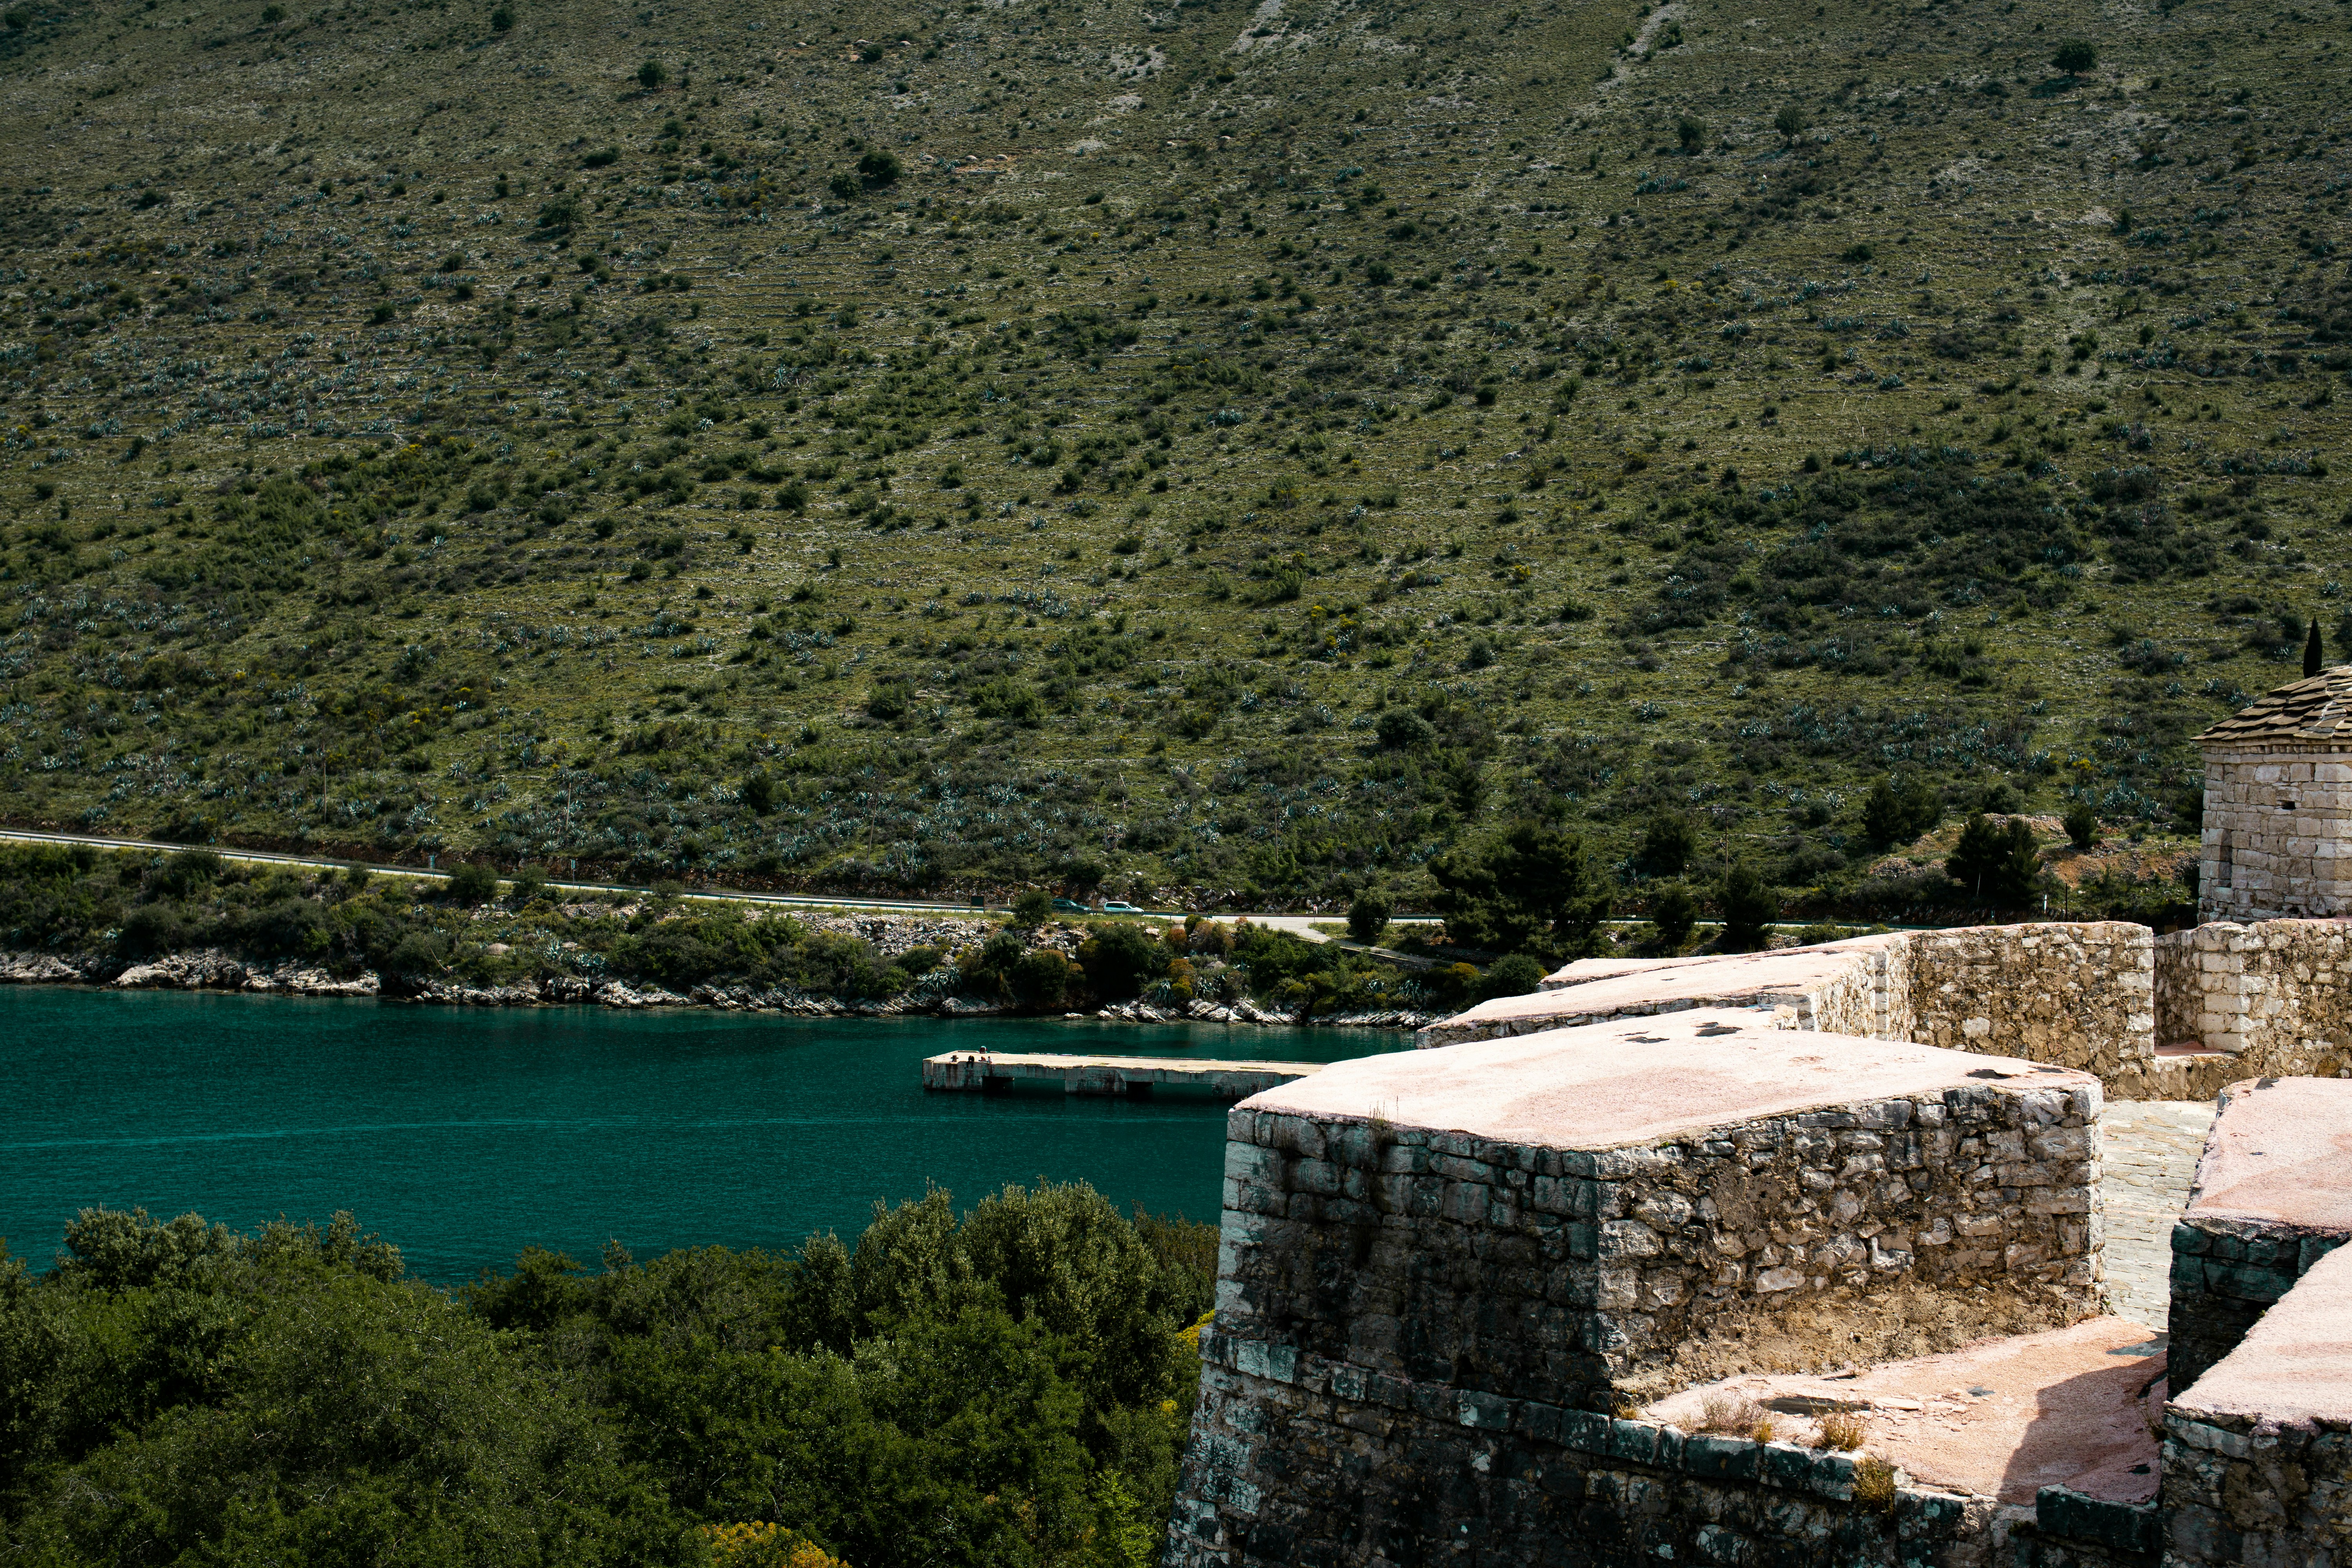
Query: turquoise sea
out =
(461, 1134)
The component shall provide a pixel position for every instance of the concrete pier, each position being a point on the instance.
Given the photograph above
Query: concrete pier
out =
(1133, 1076)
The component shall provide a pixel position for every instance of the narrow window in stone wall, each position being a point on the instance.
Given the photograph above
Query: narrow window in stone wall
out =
(2228, 851)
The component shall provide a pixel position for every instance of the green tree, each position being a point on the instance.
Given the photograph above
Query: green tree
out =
(1690, 132)
(1033, 909)
(2313, 654)
(1040, 978)
(1120, 958)
(2081, 825)
(652, 74)
(1402, 729)
(2074, 57)
(1530, 889)
(880, 168)
(1789, 122)
(760, 793)
(530, 882)
(501, 18)
(1750, 906)
(1995, 864)
(1896, 814)
(1672, 913)
(1368, 916)
(287, 1396)
(1669, 842)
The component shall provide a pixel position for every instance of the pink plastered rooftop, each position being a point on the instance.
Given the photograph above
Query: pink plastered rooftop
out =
(2295, 1365)
(2279, 1151)
(2072, 1407)
(1633, 1080)
(1600, 985)
(1767, 967)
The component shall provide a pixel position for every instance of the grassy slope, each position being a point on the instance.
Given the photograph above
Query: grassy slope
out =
(1148, 457)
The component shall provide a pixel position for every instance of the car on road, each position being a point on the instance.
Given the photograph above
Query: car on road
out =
(1069, 906)
(1113, 907)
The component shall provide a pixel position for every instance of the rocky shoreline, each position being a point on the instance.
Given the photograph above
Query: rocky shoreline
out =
(212, 969)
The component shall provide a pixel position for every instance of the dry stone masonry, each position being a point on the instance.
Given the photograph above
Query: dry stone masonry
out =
(1451, 1282)
(1523, 1235)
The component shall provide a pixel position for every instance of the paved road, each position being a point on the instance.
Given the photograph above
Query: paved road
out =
(2150, 1158)
(1301, 925)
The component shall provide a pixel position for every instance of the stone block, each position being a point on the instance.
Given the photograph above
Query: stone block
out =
(1716, 1457)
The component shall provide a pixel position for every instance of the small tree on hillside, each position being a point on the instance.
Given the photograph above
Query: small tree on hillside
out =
(2074, 57)
(1749, 907)
(1672, 914)
(1896, 814)
(1533, 890)
(652, 74)
(2311, 652)
(1995, 865)
(1367, 917)
(1668, 843)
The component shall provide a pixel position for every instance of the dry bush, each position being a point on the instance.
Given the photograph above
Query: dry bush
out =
(1733, 1415)
(1874, 1484)
(1842, 1430)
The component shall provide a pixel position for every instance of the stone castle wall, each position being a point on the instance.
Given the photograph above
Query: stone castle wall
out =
(2076, 994)
(2275, 833)
(2224, 1001)
(1394, 1469)
(1378, 1282)
(2275, 996)
(2258, 1449)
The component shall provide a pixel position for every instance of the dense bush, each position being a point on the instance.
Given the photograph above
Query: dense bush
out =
(1006, 1386)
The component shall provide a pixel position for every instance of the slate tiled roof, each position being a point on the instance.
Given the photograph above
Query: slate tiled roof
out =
(2314, 711)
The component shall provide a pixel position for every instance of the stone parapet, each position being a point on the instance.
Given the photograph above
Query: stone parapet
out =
(2078, 993)
(1581, 1269)
(2276, 995)
(1404, 1469)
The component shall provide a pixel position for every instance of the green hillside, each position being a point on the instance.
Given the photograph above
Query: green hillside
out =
(1211, 451)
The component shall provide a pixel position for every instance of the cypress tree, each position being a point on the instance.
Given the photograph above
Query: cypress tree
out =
(2311, 650)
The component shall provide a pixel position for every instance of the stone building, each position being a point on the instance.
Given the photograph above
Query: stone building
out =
(2278, 786)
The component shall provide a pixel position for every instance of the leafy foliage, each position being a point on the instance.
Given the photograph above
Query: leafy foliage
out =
(1995, 863)
(1004, 1386)
(1532, 889)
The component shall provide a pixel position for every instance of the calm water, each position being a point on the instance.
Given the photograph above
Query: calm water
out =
(461, 1133)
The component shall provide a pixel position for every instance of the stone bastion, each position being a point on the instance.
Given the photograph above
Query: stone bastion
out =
(1448, 1280)
(1699, 1284)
